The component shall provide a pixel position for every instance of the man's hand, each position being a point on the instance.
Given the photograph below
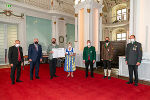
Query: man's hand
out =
(51, 51)
(11, 65)
(83, 61)
(41, 60)
(22, 64)
(93, 61)
(126, 62)
(102, 59)
(30, 60)
(138, 63)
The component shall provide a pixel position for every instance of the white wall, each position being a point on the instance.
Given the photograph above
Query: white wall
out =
(142, 23)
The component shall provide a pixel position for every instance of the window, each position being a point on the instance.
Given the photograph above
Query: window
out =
(122, 14)
(121, 36)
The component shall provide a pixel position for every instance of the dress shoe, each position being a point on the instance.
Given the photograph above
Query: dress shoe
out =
(37, 77)
(129, 82)
(92, 76)
(104, 77)
(109, 77)
(136, 84)
(19, 81)
(51, 77)
(86, 76)
(13, 83)
(31, 78)
(55, 76)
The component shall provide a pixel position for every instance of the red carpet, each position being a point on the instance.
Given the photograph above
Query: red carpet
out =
(62, 88)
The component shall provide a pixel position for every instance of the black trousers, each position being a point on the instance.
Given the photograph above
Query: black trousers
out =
(107, 64)
(52, 66)
(133, 68)
(87, 63)
(13, 69)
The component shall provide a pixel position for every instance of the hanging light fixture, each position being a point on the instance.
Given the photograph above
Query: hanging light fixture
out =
(9, 13)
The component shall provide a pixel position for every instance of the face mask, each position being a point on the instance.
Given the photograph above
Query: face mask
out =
(132, 40)
(36, 42)
(69, 46)
(89, 44)
(17, 45)
(106, 41)
(53, 42)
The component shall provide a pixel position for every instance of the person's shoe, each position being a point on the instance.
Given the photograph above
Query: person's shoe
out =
(104, 77)
(86, 76)
(19, 81)
(129, 82)
(136, 84)
(92, 76)
(109, 77)
(55, 76)
(13, 83)
(31, 78)
(51, 77)
(37, 77)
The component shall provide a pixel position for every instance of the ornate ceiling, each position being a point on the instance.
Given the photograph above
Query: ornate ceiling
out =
(67, 6)
(108, 4)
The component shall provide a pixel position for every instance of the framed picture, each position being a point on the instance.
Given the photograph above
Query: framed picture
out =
(61, 39)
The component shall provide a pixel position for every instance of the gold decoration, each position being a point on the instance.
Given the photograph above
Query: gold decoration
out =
(61, 18)
(101, 14)
(76, 15)
(88, 10)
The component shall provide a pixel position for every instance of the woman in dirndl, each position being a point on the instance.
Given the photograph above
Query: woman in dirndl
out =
(70, 60)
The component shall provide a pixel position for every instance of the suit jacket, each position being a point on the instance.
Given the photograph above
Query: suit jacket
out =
(89, 51)
(13, 54)
(107, 52)
(33, 53)
(133, 53)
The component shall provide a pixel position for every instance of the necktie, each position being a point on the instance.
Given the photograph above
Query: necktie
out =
(19, 57)
(36, 47)
(88, 54)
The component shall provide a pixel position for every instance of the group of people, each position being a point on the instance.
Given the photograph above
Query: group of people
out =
(133, 59)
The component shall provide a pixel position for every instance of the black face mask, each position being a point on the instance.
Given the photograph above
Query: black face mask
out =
(36, 42)
(106, 41)
(53, 42)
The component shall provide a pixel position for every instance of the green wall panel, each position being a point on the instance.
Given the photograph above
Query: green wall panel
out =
(71, 33)
(38, 28)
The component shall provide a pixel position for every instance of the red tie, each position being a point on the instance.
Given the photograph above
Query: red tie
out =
(36, 47)
(88, 54)
(19, 57)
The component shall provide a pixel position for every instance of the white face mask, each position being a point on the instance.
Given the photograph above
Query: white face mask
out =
(132, 40)
(89, 44)
(17, 45)
(69, 46)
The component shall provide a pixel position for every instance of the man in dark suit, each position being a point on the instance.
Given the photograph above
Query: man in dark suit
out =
(133, 59)
(15, 57)
(34, 56)
(107, 56)
(89, 57)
